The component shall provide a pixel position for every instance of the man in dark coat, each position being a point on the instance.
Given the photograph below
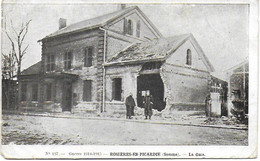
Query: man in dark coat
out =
(148, 104)
(130, 104)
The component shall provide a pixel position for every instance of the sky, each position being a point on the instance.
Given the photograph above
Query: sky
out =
(221, 30)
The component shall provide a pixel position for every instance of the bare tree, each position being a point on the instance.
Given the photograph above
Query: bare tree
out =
(11, 63)
(18, 50)
(8, 66)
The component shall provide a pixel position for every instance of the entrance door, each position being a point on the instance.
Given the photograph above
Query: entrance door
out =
(154, 84)
(67, 96)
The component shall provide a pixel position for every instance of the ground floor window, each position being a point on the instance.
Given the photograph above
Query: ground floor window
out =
(35, 92)
(87, 90)
(48, 91)
(23, 91)
(116, 89)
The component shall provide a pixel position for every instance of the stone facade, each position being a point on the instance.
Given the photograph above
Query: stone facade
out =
(105, 40)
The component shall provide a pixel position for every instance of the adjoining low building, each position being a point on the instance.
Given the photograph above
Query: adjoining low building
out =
(175, 71)
(238, 77)
(94, 64)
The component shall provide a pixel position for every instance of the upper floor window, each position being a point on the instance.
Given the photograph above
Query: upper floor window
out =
(138, 26)
(67, 60)
(88, 57)
(50, 63)
(188, 57)
(128, 27)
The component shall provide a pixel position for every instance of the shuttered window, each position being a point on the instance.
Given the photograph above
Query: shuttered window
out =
(87, 91)
(88, 57)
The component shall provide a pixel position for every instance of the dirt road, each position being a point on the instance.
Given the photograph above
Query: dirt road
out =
(36, 130)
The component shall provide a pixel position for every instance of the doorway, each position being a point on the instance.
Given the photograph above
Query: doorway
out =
(152, 83)
(66, 96)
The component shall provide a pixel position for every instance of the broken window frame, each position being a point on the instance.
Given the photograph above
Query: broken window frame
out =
(87, 91)
(116, 92)
(50, 63)
(88, 61)
(67, 60)
(188, 57)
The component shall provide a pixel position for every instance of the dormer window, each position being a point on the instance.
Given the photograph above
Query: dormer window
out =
(188, 57)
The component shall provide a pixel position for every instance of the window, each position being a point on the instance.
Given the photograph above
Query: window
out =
(188, 57)
(125, 26)
(88, 57)
(116, 89)
(48, 91)
(130, 27)
(138, 26)
(50, 63)
(23, 91)
(87, 90)
(67, 60)
(35, 92)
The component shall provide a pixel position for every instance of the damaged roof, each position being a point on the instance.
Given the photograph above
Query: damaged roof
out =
(156, 50)
(34, 69)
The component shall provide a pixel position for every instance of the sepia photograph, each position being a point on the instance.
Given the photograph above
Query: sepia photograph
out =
(130, 76)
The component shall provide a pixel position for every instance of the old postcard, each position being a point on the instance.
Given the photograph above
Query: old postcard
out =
(138, 79)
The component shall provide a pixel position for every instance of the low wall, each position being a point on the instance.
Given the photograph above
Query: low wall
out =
(34, 106)
(187, 107)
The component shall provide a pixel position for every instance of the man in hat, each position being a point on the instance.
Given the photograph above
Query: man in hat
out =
(148, 104)
(130, 104)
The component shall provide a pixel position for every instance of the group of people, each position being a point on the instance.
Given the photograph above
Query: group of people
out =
(147, 104)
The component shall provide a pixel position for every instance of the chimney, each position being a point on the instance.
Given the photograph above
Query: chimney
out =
(121, 6)
(62, 23)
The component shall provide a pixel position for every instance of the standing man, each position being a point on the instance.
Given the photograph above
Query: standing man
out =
(130, 104)
(148, 103)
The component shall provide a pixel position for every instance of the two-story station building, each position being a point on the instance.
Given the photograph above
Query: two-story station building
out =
(93, 65)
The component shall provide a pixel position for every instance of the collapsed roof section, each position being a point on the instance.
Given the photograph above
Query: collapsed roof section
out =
(156, 50)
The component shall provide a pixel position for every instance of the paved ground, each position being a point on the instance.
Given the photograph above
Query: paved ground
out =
(32, 130)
